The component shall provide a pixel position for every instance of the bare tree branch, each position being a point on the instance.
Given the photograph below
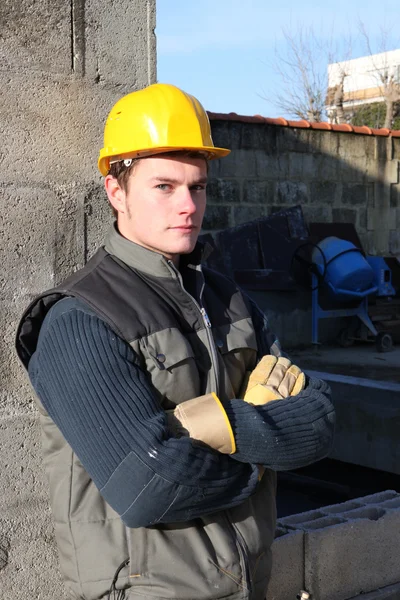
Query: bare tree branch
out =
(301, 67)
(304, 77)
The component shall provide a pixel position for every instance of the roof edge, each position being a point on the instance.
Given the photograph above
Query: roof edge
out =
(303, 124)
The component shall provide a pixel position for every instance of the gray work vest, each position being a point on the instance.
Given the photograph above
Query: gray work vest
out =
(141, 297)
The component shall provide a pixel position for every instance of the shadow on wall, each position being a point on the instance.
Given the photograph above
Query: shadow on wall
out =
(335, 177)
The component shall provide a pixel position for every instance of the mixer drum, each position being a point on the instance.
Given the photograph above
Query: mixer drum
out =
(343, 268)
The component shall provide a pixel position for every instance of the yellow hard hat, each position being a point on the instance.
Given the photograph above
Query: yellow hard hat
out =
(159, 118)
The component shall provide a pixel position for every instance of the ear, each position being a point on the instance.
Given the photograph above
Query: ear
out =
(115, 193)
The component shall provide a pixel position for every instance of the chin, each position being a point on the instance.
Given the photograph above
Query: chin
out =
(186, 246)
(189, 247)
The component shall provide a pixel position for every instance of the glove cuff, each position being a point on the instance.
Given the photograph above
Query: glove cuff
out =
(204, 418)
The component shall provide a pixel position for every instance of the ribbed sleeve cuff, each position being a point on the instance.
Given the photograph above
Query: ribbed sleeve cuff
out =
(284, 434)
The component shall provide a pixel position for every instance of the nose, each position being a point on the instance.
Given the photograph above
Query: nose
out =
(186, 203)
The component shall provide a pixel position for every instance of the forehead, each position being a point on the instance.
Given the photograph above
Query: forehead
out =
(170, 166)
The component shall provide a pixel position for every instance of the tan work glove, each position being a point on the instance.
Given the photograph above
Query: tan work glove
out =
(203, 419)
(274, 378)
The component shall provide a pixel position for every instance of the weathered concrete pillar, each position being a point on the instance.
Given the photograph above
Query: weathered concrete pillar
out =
(63, 65)
(382, 223)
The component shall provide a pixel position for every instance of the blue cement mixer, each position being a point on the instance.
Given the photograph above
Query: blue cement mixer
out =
(349, 278)
(343, 269)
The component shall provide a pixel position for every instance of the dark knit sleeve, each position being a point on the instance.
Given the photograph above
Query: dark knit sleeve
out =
(284, 434)
(88, 381)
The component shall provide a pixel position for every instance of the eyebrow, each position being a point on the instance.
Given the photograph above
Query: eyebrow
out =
(172, 180)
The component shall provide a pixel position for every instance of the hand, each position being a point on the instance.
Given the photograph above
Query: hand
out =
(274, 378)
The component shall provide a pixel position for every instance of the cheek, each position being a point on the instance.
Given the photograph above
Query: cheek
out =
(140, 209)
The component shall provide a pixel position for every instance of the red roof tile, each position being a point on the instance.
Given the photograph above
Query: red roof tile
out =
(303, 124)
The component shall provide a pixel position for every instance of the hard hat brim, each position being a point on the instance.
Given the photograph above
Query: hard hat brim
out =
(107, 157)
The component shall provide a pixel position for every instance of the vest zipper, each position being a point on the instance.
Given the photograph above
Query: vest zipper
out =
(214, 356)
(207, 323)
(205, 317)
(236, 535)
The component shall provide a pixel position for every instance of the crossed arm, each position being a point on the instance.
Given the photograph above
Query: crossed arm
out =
(89, 382)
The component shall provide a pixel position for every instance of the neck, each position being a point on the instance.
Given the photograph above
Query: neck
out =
(122, 231)
(175, 260)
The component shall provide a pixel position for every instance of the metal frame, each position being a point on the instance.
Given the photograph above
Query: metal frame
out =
(360, 311)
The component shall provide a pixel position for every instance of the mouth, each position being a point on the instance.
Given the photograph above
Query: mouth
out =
(184, 228)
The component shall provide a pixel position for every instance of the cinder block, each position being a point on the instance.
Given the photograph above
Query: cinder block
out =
(226, 134)
(244, 214)
(354, 194)
(321, 214)
(280, 530)
(324, 192)
(270, 167)
(303, 166)
(305, 517)
(326, 142)
(328, 168)
(344, 215)
(322, 523)
(290, 192)
(258, 192)
(43, 240)
(342, 507)
(362, 219)
(240, 163)
(223, 191)
(120, 45)
(297, 140)
(393, 503)
(394, 239)
(287, 576)
(396, 149)
(36, 36)
(28, 552)
(217, 217)
(379, 497)
(98, 218)
(373, 513)
(54, 131)
(390, 592)
(4, 545)
(358, 147)
(256, 137)
(354, 170)
(354, 557)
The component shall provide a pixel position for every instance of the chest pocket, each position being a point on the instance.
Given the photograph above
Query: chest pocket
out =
(171, 364)
(237, 349)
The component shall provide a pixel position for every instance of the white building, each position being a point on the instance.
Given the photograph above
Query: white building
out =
(363, 79)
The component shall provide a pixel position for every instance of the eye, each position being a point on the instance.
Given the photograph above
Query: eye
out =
(164, 187)
(198, 187)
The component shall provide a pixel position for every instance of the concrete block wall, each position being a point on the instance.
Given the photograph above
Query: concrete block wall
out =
(338, 552)
(64, 63)
(335, 176)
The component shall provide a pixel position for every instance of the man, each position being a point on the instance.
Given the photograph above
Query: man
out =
(161, 476)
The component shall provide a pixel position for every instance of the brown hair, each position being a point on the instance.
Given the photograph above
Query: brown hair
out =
(122, 174)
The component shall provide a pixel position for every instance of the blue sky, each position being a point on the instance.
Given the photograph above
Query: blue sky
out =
(223, 51)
